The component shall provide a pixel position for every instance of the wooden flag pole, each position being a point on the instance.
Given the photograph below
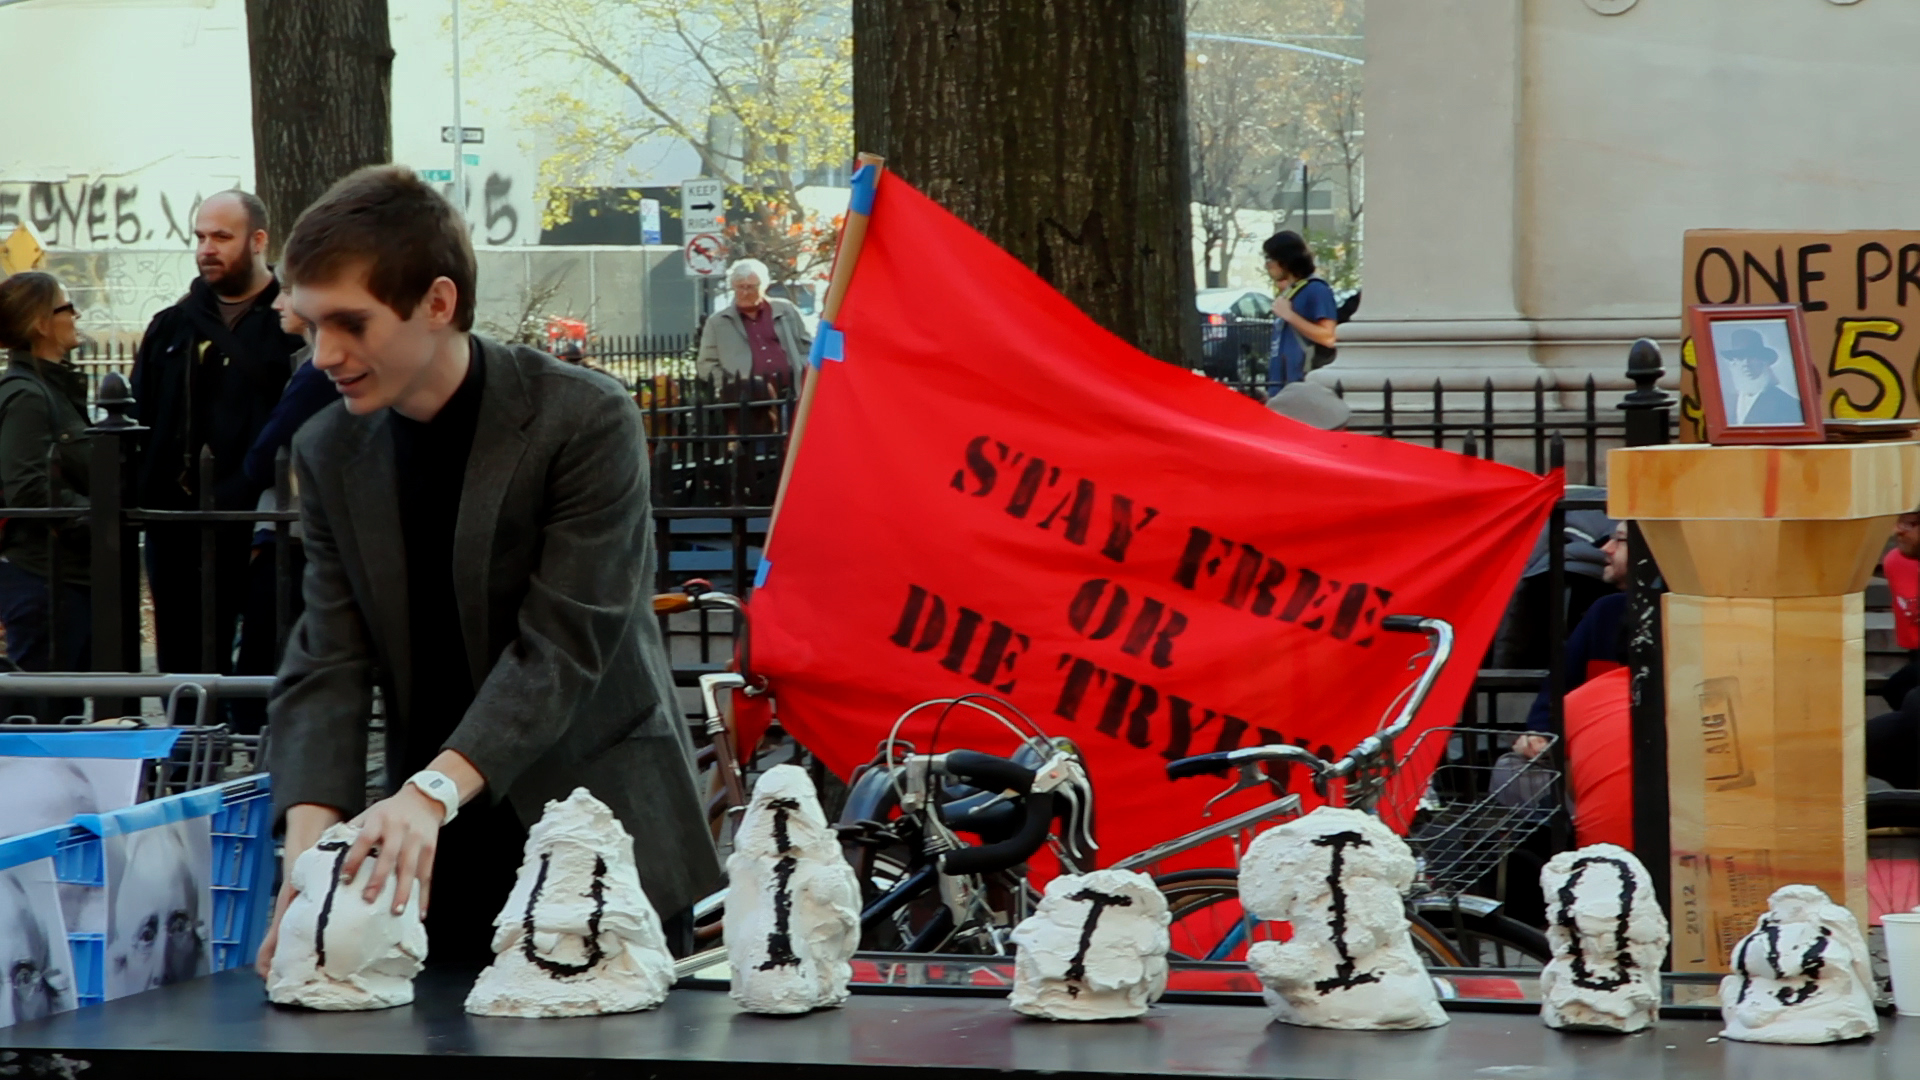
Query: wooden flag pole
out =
(852, 235)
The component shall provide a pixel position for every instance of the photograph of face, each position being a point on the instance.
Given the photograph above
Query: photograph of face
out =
(38, 792)
(36, 966)
(160, 900)
(1754, 358)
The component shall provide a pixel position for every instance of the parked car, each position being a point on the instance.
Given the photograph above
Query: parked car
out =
(1235, 324)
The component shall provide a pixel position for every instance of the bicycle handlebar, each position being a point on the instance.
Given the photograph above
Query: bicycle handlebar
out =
(1440, 638)
(1218, 763)
(1012, 851)
(987, 772)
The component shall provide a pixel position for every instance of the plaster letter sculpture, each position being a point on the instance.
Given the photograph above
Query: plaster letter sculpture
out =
(337, 951)
(1802, 976)
(1609, 938)
(578, 936)
(793, 903)
(1096, 949)
(1339, 877)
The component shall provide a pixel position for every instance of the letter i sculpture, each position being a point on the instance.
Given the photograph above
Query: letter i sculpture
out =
(793, 914)
(337, 951)
(1339, 877)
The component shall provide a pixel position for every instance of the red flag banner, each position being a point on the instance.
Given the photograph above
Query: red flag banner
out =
(993, 494)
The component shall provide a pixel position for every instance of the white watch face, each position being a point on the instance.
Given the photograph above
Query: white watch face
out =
(1610, 7)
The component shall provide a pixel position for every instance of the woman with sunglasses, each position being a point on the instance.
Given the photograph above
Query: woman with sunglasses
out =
(43, 462)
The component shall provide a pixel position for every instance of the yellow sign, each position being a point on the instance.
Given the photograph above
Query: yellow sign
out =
(21, 251)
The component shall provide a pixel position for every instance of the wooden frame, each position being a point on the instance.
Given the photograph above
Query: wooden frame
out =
(1747, 357)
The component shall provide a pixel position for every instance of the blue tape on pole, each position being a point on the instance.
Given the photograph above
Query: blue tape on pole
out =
(147, 815)
(866, 185)
(30, 847)
(828, 344)
(760, 575)
(127, 743)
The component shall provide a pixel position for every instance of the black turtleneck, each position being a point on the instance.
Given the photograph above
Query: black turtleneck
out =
(430, 463)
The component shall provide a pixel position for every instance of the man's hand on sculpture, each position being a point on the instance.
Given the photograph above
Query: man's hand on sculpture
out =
(305, 823)
(405, 830)
(263, 960)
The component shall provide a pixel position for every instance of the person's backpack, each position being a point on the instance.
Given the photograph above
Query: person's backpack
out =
(1318, 355)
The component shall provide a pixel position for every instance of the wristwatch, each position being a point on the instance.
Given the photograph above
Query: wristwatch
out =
(439, 787)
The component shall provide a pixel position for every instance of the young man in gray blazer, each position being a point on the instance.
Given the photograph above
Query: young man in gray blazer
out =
(479, 545)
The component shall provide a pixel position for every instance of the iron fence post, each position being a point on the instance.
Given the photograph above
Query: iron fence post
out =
(1557, 599)
(114, 569)
(1647, 424)
(209, 587)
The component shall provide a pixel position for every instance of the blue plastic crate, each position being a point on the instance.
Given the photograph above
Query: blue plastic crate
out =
(242, 838)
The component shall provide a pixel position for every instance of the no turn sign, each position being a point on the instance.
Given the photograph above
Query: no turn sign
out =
(706, 255)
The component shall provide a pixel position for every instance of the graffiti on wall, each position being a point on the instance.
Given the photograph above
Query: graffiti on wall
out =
(86, 214)
(1858, 290)
(130, 212)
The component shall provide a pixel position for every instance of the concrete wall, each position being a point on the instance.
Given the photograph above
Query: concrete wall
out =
(1532, 165)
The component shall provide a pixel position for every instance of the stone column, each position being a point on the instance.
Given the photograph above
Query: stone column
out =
(1442, 218)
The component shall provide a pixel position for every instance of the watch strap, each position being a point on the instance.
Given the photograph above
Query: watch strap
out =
(439, 787)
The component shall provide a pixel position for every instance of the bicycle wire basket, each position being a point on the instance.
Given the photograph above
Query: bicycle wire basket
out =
(1481, 801)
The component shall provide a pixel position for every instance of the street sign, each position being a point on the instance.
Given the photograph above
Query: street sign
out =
(703, 206)
(467, 135)
(706, 256)
(21, 250)
(649, 221)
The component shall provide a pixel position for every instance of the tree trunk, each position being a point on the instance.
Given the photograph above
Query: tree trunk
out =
(1056, 127)
(322, 99)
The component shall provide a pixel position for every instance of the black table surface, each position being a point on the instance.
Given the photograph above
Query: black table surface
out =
(222, 1027)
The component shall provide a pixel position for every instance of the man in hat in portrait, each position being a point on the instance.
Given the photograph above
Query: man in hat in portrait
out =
(1751, 391)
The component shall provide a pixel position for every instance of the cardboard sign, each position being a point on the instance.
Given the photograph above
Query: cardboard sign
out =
(1859, 291)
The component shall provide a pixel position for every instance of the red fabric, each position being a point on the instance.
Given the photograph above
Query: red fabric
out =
(1903, 580)
(1599, 729)
(1008, 499)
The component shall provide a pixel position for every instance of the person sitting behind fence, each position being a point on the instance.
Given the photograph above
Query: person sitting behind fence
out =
(1595, 712)
(1901, 566)
(1597, 644)
(43, 417)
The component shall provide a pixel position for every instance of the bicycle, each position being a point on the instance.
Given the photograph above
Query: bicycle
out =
(1459, 827)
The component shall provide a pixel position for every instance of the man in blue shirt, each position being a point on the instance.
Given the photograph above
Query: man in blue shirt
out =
(1304, 309)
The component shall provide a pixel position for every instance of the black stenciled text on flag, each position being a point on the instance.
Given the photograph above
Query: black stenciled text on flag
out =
(1239, 576)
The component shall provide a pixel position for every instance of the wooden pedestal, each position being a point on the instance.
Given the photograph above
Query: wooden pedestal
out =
(1766, 551)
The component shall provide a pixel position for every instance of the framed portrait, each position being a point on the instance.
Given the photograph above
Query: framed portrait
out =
(1757, 383)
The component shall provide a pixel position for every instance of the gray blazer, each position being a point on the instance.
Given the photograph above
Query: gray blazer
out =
(724, 346)
(553, 563)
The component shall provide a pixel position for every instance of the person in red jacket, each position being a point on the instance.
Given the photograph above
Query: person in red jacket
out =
(1902, 569)
(1893, 738)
